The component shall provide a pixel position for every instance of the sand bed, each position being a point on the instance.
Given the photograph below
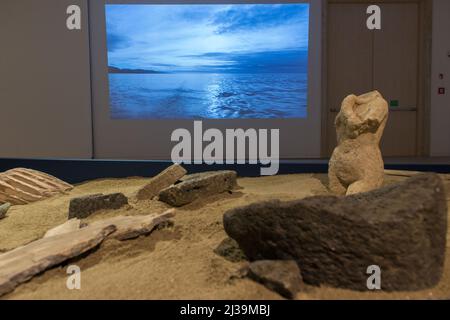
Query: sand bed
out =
(176, 262)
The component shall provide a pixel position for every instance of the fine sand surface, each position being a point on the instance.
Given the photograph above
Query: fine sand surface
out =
(176, 262)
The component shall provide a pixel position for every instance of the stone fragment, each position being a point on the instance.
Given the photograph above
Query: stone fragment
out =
(163, 180)
(69, 226)
(229, 249)
(4, 209)
(21, 264)
(130, 227)
(22, 186)
(281, 276)
(198, 185)
(83, 207)
(356, 164)
(401, 228)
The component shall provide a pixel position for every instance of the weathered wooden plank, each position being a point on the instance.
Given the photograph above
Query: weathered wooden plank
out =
(69, 226)
(129, 227)
(67, 241)
(21, 264)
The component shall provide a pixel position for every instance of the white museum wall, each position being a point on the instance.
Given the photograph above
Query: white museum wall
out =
(44, 81)
(45, 94)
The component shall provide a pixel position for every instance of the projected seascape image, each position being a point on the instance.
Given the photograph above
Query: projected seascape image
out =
(208, 61)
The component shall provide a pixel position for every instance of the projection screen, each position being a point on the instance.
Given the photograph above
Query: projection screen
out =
(158, 66)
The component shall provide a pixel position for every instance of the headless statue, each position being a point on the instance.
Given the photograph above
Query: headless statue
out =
(356, 164)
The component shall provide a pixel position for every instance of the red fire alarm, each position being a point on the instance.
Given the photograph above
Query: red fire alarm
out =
(441, 91)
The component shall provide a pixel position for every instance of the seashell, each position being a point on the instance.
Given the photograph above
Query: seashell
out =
(22, 186)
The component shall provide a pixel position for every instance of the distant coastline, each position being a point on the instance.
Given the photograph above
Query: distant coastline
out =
(132, 71)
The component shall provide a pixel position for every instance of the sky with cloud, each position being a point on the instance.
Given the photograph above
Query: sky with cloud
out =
(209, 38)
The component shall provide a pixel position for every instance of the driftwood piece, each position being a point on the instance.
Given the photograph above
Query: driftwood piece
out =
(61, 244)
(21, 264)
(22, 186)
(163, 180)
(129, 227)
(69, 226)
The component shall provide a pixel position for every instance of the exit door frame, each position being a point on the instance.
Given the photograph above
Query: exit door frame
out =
(423, 77)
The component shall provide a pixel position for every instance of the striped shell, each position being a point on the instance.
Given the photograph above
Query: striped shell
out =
(22, 186)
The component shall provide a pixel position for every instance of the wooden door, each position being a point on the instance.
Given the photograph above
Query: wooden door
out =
(396, 53)
(360, 60)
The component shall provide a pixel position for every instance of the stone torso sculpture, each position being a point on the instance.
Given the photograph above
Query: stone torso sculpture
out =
(356, 164)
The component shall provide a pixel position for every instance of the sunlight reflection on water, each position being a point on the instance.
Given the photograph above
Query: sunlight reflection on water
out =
(208, 96)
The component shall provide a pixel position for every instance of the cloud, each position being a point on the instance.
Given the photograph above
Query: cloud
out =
(259, 16)
(180, 38)
(288, 61)
(117, 41)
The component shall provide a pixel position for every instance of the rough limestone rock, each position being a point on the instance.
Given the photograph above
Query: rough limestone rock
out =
(83, 207)
(401, 228)
(163, 180)
(198, 185)
(4, 209)
(280, 276)
(356, 164)
(22, 186)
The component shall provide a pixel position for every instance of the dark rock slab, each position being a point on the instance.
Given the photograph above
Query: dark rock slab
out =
(281, 276)
(4, 209)
(401, 228)
(83, 207)
(198, 185)
(163, 180)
